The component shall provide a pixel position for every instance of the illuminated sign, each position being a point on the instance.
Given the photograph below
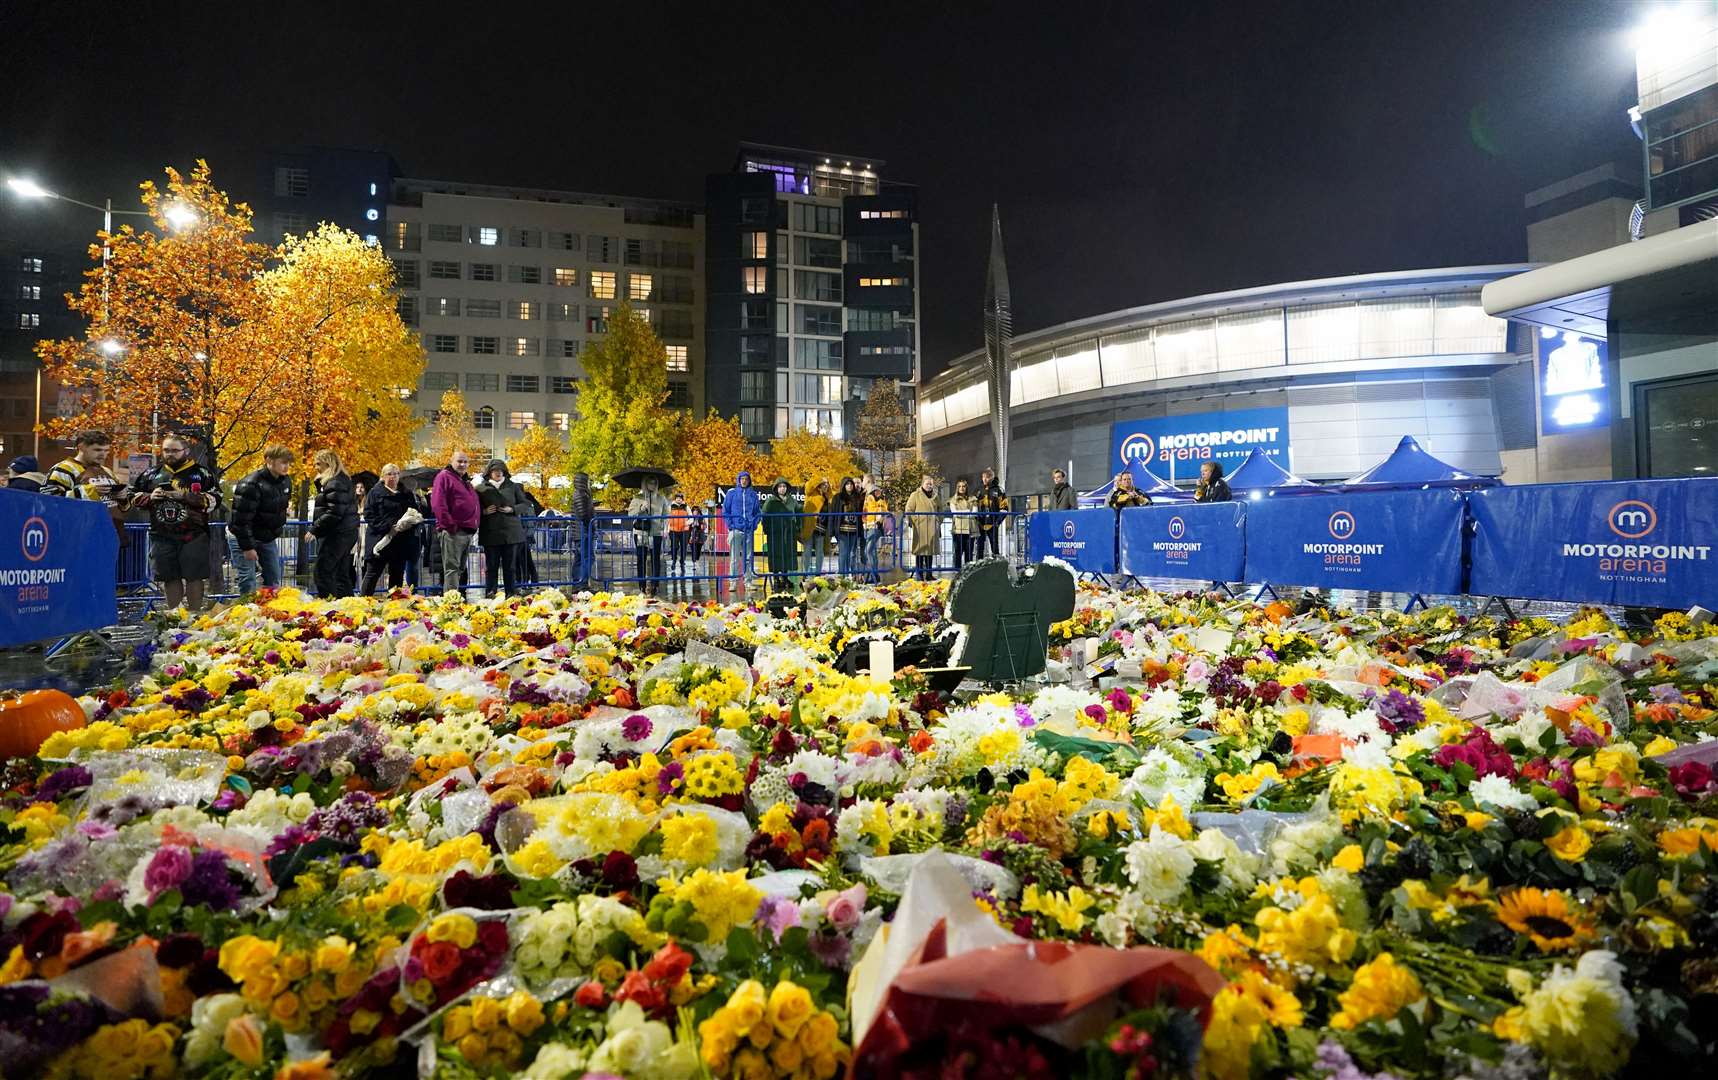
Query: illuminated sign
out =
(1177, 445)
(1572, 391)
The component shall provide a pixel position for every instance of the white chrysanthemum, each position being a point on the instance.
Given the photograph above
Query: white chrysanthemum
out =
(1239, 869)
(1160, 865)
(1297, 846)
(1162, 706)
(1499, 792)
(1059, 708)
(1164, 773)
(819, 769)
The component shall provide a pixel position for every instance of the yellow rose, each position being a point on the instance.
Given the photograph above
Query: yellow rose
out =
(750, 1064)
(243, 1039)
(1350, 858)
(456, 1025)
(748, 1004)
(461, 930)
(294, 966)
(485, 1013)
(789, 1008)
(334, 954)
(285, 1008)
(786, 1056)
(1570, 844)
(524, 1013)
(157, 1042)
(818, 1035)
(472, 1048)
(364, 1021)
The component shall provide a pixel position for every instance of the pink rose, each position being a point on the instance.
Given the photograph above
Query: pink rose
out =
(167, 870)
(845, 910)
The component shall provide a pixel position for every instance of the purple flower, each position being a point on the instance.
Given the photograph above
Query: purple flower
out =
(777, 914)
(834, 950)
(1024, 716)
(1666, 694)
(671, 773)
(635, 727)
(64, 782)
(211, 883)
(1398, 712)
(167, 870)
(1583, 735)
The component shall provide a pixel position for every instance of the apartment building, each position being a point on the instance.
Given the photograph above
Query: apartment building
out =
(507, 285)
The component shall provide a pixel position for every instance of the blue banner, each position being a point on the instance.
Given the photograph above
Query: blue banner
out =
(57, 561)
(1652, 543)
(1174, 447)
(1201, 541)
(1400, 541)
(1084, 539)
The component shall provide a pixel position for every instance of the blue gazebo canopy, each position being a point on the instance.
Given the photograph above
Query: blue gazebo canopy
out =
(1259, 476)
(1159, 489)
(1409, 467)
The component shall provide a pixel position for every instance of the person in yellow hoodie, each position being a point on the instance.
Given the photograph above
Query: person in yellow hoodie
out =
(813, 529)
(877, 520)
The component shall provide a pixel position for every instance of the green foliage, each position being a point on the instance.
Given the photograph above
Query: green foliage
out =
(622, 421)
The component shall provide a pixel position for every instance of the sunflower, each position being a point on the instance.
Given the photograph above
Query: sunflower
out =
(1548, 916)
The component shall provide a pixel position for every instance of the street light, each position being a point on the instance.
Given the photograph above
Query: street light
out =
(110, 347)
(28, 189)
(180, 216)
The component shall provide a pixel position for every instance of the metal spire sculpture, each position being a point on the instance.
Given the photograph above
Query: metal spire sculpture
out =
(999, 343)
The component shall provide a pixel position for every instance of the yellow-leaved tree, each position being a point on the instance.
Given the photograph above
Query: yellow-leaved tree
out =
(712, 452)
(540, 455)
(806, 456)
(622, 421)
(454, 430)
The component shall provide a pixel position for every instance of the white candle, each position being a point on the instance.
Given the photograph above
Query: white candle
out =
(882, 658)
(1091, 650)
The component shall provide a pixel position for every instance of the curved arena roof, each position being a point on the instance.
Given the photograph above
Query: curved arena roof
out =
(1367, 322)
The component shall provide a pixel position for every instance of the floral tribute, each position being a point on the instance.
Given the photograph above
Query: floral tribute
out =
(562, 835)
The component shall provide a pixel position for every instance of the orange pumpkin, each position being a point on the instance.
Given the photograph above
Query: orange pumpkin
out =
(27, 719)
(1276, 611)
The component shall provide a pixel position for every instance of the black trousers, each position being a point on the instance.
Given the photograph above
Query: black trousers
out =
(334, 569)
(649, 563)
(922, 567)
(989, 536)
(962, 549)
(502, 560)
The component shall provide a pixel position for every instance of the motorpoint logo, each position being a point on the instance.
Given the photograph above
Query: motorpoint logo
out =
(34, 540)
(1137, 447)
(1631, 519)
(1177, 528)
(1068, 529)
(1341, 525)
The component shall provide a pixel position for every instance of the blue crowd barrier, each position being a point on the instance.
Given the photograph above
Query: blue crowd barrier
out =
(1398, 541)
(58, 567)
(1650, 543)
(1084, 539)
(1194, 541)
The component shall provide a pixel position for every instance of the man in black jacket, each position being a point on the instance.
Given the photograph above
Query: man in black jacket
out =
(180, 496)
(261, 502)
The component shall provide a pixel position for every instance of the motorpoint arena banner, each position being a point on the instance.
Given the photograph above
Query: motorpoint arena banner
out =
(1084, 539)
(1178, 445)
(1398, 541)
(1205, 542)
(56, 567)
(1652, 543)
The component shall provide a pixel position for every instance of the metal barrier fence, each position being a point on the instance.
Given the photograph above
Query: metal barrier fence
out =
(608, 555)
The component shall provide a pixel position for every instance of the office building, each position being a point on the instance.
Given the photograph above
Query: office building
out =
(507, 285)
(812, 285)
(300, 189)
(34, 280)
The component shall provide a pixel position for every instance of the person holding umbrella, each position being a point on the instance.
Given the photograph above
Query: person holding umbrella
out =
(647, 515)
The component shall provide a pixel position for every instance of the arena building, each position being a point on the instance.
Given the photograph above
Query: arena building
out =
(1326, 376)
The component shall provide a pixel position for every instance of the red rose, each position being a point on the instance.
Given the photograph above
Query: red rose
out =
(591, 995)
(638, 987)
(670, 963)
(492, 937)
(440, 960)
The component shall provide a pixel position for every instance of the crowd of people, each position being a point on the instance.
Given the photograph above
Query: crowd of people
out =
(366, 529)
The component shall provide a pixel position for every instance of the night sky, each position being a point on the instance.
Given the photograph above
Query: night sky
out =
(1140, 151)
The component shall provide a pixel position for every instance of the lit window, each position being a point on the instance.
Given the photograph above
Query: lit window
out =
(602, 284)
(638, 286)
(522, 346)
(488, 236)
(524, 309)
(881, 282)
(596, 320)
(677, 360)
(442, 305)
(756, 279)
(29, 292)
(566, 275)
(880, 215)
(560, 421)
(400, 234)
(483, 419)
(754, 245)
(29, 320)
(519, 420)
(30, 265)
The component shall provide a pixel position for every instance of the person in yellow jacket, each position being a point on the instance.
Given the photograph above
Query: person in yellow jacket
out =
(814, 529)
(878, 521)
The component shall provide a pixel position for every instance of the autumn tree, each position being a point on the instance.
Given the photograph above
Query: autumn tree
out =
(453, 431)
(883, 428)
(622, 421)
(192, 329)
(712, 452)
(904, 473)
(805, 457)
(540, 454)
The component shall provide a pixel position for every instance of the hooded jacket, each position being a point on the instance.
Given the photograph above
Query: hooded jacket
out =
(741, 507)
(503, 505)
(781, 528)
(1216, 491)
(261, 502)
(26, 481)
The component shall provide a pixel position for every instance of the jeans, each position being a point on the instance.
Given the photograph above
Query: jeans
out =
(962, 550)
(501, 560)
(873, 544)
(454, 548)
(268, 562)
(740, 552)
(847, 558)
(811, 558)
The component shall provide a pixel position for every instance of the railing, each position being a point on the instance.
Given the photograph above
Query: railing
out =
(608, 555)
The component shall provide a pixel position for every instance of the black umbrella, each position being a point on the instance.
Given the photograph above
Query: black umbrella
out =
(420, 478)
(635, 477)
